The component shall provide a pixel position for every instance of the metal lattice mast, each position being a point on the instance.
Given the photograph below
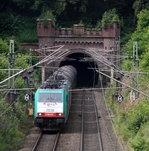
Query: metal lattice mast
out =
(11, 59)
(136, 65)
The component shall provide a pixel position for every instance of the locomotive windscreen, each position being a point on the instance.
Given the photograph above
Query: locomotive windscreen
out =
(50, 97)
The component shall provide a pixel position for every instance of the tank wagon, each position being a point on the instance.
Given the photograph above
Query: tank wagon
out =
(53, 98)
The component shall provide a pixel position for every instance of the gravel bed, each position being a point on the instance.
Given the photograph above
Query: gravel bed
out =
(47, 142)
(109, 139)
(71, 134)
(30, 139)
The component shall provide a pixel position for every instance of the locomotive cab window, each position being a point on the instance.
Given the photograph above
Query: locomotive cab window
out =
(50, 97)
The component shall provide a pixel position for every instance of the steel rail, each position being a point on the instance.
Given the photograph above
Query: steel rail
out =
(97, 122)
(37, 142)
(82, 122)
(36, 145)
(56, 141)
(98, 125)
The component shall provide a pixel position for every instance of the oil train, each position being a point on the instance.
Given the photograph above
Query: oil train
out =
(53, 98)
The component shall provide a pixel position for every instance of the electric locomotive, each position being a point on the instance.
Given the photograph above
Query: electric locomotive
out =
(53, 98)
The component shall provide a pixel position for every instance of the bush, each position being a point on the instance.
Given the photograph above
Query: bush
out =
(127, 65)
(10, 24)
(137, 116)
(141, 140)
(133, 126)
(3, 65)
(28, 31)
(144, 63)
(4, 48)
(108, 18)
(47, 15)
(143, 19)
(141, 35)
(11, 120)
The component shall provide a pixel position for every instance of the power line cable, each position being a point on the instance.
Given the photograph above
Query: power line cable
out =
(40, 62)
(123, 84)
(109, 113)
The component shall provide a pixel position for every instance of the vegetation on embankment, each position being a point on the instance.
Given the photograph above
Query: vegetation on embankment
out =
(14, 121)
(132, 116)
(14, 124)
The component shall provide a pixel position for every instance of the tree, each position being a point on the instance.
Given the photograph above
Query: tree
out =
(141, 34)
(4, 48)
(108, 18)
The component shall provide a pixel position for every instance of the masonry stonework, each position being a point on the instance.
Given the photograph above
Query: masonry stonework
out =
(78, 36)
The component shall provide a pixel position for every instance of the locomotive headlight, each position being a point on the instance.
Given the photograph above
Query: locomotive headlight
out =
(60, 114)
(39, 114)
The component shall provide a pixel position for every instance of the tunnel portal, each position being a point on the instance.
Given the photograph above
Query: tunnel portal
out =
(86, 73)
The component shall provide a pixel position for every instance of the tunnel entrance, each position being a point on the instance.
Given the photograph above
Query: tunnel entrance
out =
(86, 75)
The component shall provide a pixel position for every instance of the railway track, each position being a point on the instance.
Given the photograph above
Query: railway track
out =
(91, 139)
(46, 142)
(83, 130)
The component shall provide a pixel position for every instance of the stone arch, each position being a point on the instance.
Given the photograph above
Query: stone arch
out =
(87, 76)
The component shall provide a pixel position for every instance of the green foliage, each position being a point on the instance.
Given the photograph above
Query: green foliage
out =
(28, 35)
(11, 120)
(137, 116)
(99, 25)
(139, 5)
(22, 61)
(108, 18)
(141, 140)
(4, 48)
(133, 125)
(109, 99)
(10, 24)
(73, 1)
(28, 31)
(47, 15)
(59, 7)
(143, 19)
(141, 35)
(81, 22)
(127, 65)
(144, 62)
(3, 65)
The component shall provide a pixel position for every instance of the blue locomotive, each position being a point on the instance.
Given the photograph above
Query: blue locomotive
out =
(53, 98)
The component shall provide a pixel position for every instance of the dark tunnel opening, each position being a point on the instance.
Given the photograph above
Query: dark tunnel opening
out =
(86, 74)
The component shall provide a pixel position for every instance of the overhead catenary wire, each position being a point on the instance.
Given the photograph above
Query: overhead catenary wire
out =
(5, 111)
(104, 60)
(3, 86)
(118, 71)
(40, 62)
(127, 86)
(109, 114)
(123, 84)
(18, 89)
(94, 89)
(9, 69)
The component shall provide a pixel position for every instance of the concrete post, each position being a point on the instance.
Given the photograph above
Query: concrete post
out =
(43, 74)
(112, 75)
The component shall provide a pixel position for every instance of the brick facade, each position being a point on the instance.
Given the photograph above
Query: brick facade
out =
(78, 36)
